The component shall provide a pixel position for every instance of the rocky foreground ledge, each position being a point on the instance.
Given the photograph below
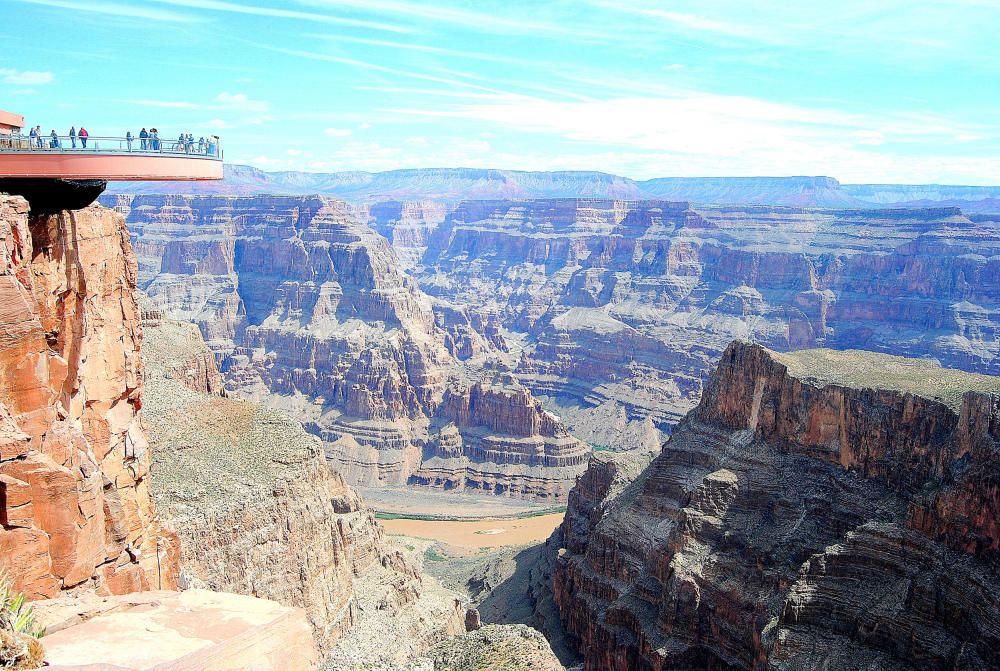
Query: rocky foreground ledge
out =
(195, 629)
(820, 509)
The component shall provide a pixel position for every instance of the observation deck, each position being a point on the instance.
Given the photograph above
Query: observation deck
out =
(104, 158)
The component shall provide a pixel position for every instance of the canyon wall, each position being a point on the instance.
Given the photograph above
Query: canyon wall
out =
(75, 504)
(628, 303)
(797, 518)
(494, 436)
(306, 307)
(260, 511)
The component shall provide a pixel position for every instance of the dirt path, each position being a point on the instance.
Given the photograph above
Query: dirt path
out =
(474, 535)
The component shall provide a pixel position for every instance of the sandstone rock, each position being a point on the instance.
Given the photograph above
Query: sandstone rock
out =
(74, 461)
(194, 629)
(817, 509)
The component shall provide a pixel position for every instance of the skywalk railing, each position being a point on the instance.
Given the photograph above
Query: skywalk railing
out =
(209, 147)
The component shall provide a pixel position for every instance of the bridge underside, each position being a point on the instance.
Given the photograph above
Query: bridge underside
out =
(120, 167)
(48, 196)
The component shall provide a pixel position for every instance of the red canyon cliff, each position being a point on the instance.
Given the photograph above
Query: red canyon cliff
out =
(75, 504)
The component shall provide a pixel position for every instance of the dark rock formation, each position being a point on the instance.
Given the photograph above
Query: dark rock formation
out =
(797, 519)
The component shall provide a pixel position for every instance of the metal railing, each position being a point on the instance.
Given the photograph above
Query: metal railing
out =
(208, 147)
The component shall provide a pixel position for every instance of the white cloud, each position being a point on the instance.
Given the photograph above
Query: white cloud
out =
(699, 23)
(374, 67)
(241, 102)
(708, 134)
(674, 66)
(24, 77)
(337, 132)
(488, 22)
(165, 104)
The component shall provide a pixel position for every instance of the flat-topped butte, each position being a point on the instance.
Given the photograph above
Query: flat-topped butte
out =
(861, 369)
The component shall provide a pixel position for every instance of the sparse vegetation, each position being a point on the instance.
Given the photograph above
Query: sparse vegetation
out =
(19, 646)
(433, 554)
(861, 369)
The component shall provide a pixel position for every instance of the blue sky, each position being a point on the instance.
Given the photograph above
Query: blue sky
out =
(866, 91)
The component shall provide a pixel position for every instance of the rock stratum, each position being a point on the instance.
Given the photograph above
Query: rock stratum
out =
(75, 505)
(820, 509)
(304, 305)
(621, 307)
(609, 312)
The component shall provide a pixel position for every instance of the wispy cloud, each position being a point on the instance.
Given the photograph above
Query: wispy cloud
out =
(25, 77)
(337, 132)
(164, 104)
(118, 9)
(702, 24)
(423, 48)
(481, 22)
(374, 67)
(241, 102)
(281, 13)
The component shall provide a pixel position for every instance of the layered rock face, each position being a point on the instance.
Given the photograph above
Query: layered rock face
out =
(406, 225)
(307, 307)
(75, 504)
(630, 302)
(260, 511)
(497, 437)
(797, 518)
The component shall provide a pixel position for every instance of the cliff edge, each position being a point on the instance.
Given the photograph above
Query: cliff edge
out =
(819, 509)
(75, 505)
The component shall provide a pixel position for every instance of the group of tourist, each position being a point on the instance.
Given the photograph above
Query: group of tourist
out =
(149, 140)
(35, 138)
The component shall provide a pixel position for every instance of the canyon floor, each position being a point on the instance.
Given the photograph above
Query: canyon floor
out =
(468, 537)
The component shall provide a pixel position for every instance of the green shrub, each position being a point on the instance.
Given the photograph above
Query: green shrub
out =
(16, 614)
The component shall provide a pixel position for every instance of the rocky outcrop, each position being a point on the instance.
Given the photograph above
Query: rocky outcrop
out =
(817, 510)
(512, 647)
(261, 512)
(194, 629)
(187, 359)
(75, 507)
(630, 302)
(494, 436)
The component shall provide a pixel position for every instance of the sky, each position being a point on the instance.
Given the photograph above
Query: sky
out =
(879, 91)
